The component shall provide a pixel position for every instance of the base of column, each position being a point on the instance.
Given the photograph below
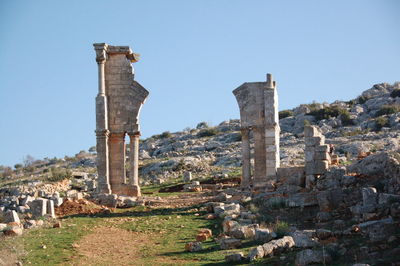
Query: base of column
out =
(103, 188)
(126, 190)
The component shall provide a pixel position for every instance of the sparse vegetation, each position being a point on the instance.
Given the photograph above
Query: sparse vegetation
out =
(381, 122)
(285, 113)
(362, 99)
(281, 228)
(207, 132)
(388, 109)
(395, 93)
(59, 174)
(345, 118)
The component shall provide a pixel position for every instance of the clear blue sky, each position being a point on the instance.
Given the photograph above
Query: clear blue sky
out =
(193, 54)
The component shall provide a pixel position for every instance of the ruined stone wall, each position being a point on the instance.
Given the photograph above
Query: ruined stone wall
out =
(118, 105)
(258, 104)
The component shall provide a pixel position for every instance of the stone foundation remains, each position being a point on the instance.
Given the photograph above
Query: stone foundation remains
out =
(118, 104)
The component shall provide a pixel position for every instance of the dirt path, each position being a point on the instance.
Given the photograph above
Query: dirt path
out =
(112, 245)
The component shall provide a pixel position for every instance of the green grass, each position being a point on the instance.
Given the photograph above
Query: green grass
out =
(57, 241)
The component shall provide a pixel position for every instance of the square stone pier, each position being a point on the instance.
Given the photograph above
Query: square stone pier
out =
(118, 105)
(258, 103)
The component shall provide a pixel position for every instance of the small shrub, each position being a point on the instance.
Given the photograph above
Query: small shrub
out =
(381, 122)
(202, 125)
(281, 229)
(166, 135)
(207, 132)
(345, 118)
(395, 93)
(59, 174)
(285, 113)
(307, 123)
(387, 110)
(325, 113)
(362, 99)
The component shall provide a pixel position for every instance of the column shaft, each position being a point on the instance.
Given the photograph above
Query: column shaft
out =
(246, 166)
(117, 162)
(259, 179)
(102, 162)
(134, 160)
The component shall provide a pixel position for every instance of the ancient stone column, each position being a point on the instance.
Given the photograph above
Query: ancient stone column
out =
(272, 129)
(259, 179)
(118, 105)
(102, 123)
(134, 162)
(246, 165)
(117, 162)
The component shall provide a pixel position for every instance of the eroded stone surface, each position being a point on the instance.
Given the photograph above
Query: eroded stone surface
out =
(118, 105)
(258, 103)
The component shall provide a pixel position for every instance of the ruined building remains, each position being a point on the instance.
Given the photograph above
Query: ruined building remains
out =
(316, 152)
(118, 105)
(258, 103)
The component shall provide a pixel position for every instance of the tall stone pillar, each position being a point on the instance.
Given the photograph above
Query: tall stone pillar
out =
(102, 123)
(134, 163)
(272, 129)
(246, 166)
(259, 179)
(117, 162)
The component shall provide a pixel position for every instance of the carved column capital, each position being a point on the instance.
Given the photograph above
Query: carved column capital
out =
(134, 134)
(101, 52)
(117, 135)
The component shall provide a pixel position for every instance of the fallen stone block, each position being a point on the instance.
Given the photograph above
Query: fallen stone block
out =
(11, 217)
(302, 200)
(370, 196)
(309, 256)
(38, 207)
(193, 246)
(302, 240)
(205, 231)
(264, 235)
(230, 243)
(234, 257)
(256, 253)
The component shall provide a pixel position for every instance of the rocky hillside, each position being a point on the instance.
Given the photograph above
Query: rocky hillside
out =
(369, 123)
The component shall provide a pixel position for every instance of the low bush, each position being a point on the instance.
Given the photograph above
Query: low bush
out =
(395, 93)
(59, 174)
(207, 132)
(325, 113)
(281, 229)
(381, 122)
(387, 110)
(362, 99)
(285, 113)
(345, 118)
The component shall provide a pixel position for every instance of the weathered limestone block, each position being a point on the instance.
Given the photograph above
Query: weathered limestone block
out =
(311, 131)
(187, 177)
(314, 141)
(50, 209)
(38, 207)
(11, 216)
(230, 243)
(291, 175)
(370, 196)
(27, 200)
(234, 257)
